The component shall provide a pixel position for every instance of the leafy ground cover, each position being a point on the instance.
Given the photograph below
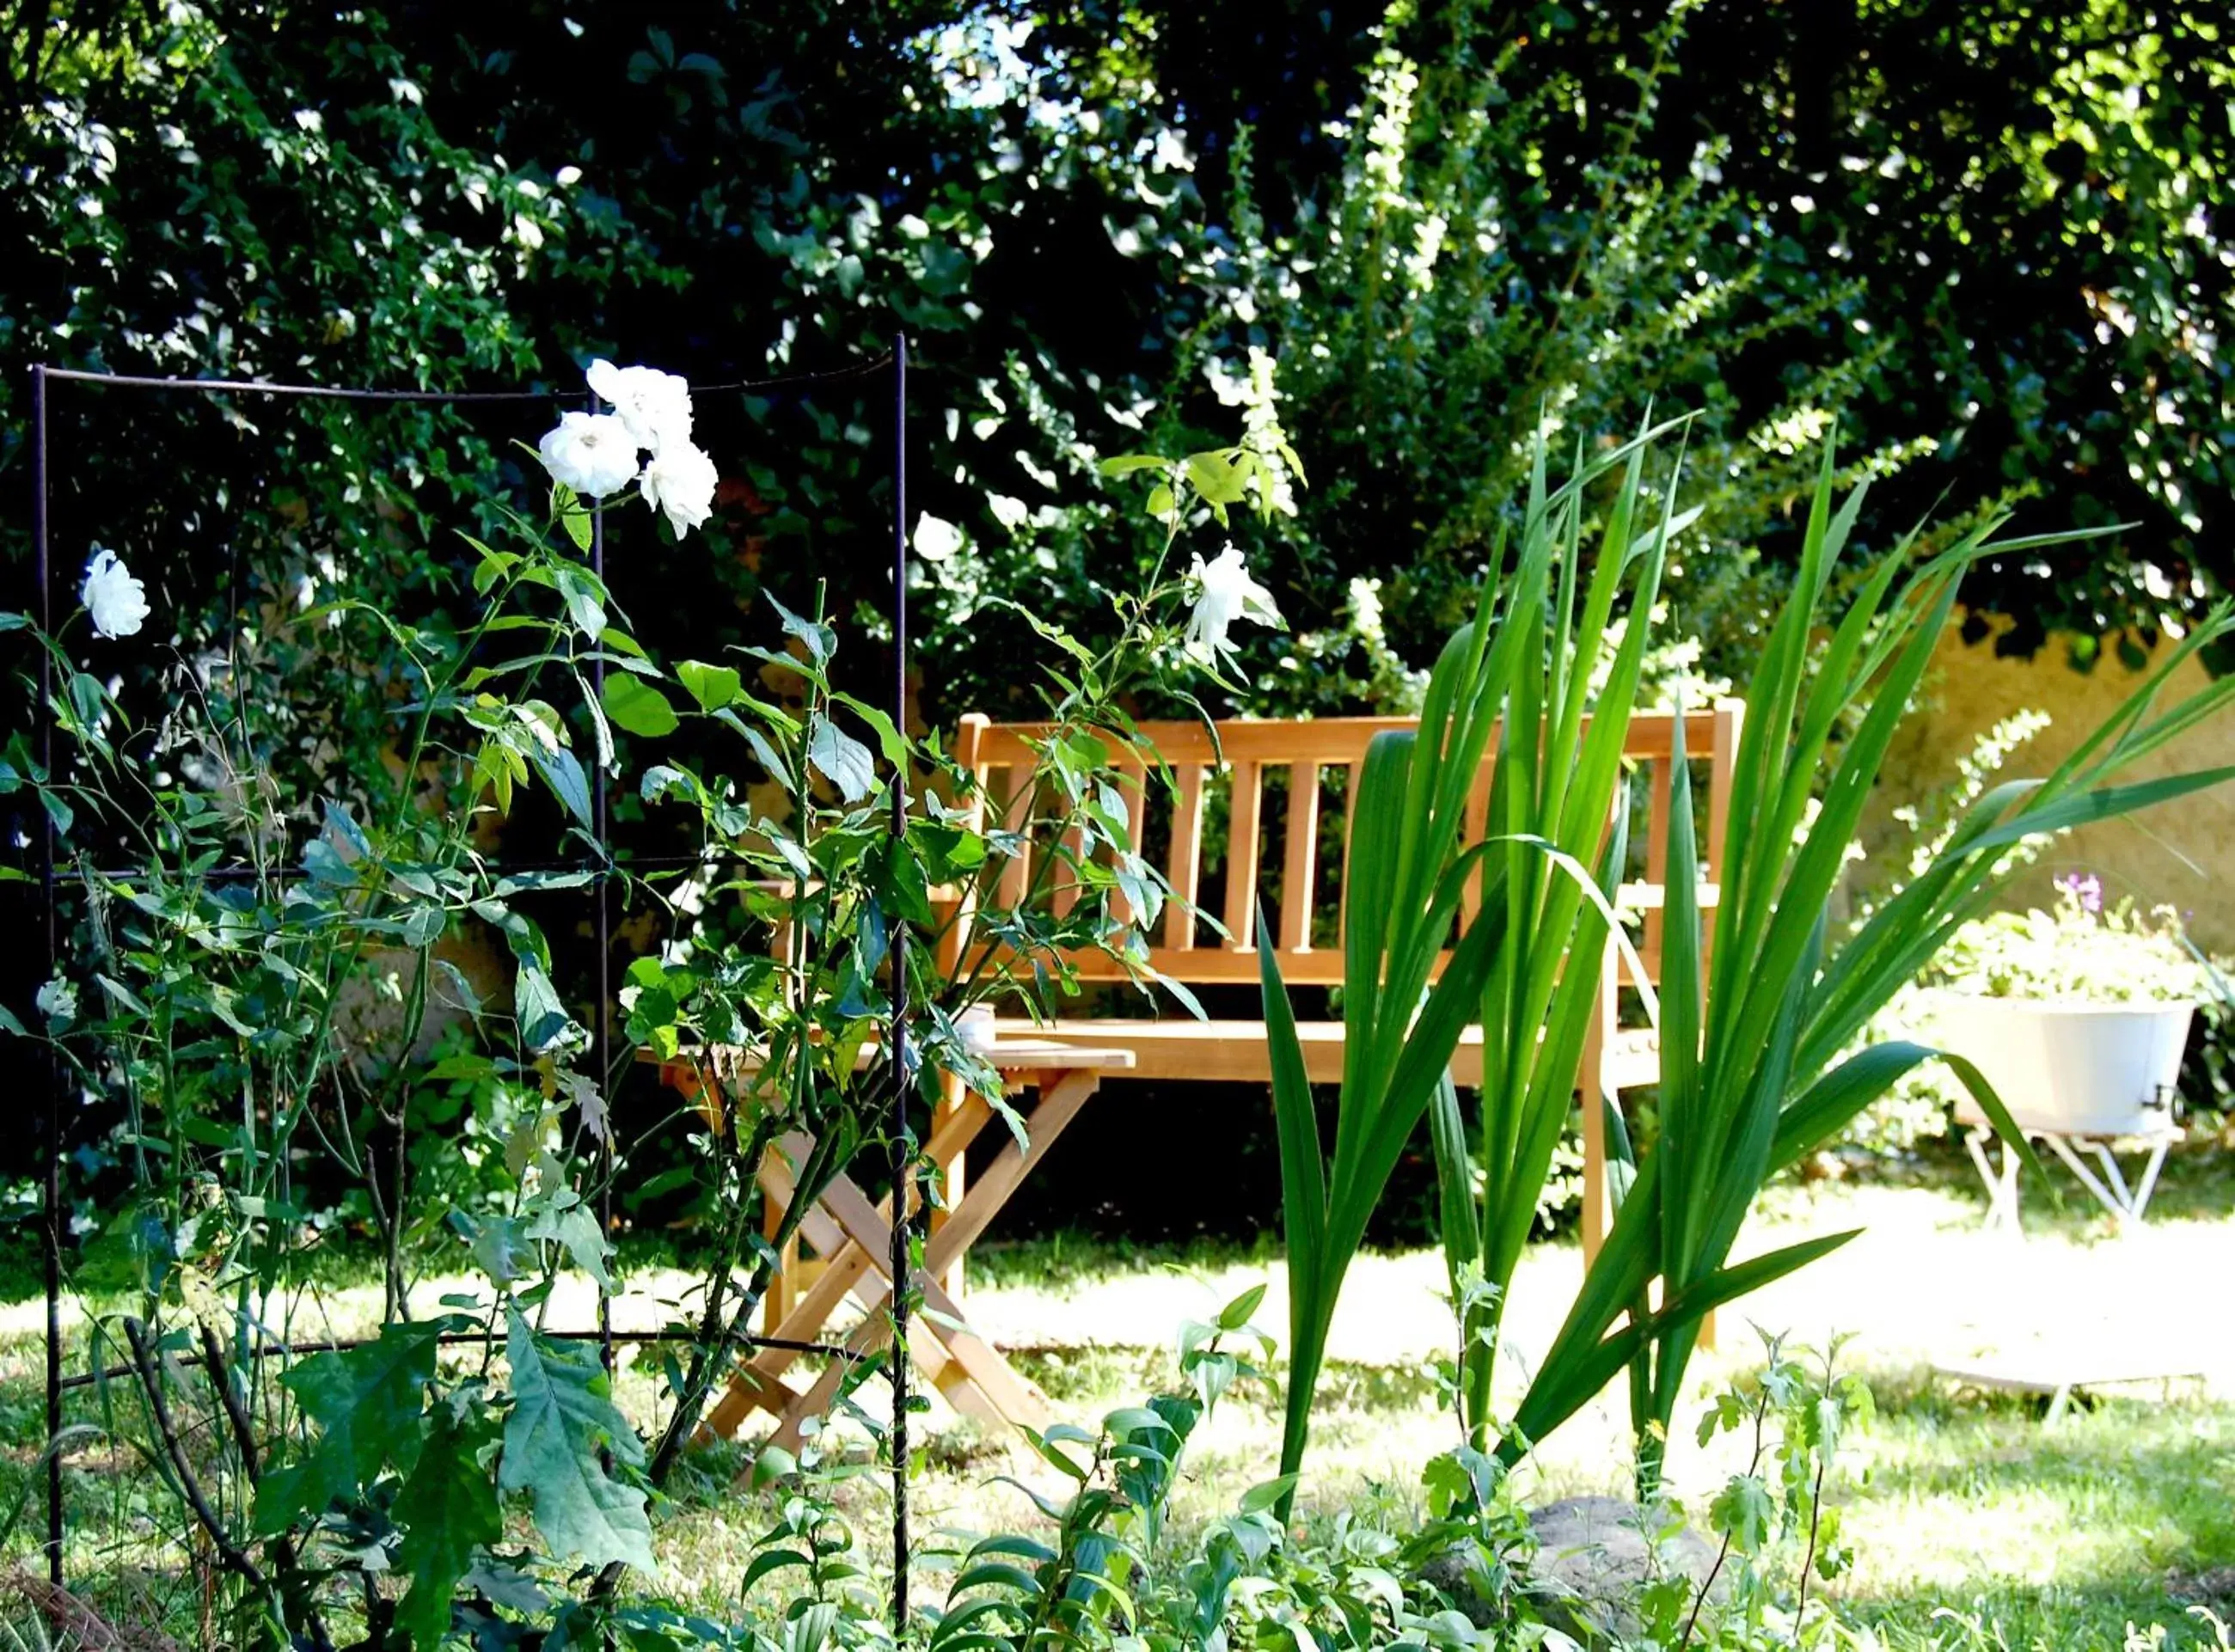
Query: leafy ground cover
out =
(1957, 1502)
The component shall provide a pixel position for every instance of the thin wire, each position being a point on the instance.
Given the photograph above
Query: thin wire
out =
(335, 393)
(464, 1339)
(241, 874)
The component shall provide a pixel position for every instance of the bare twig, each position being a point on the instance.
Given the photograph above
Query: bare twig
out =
(244, 1438)
(243, 1435)
(1707, 1586)
(73, 1618)
(151, 1381)
(1808, 1560)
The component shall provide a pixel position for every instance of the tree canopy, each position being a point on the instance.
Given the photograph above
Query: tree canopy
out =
(1987, 238)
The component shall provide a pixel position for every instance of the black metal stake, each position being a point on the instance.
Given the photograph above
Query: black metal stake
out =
(601, 813)
(903, 1159)
(50, 1197)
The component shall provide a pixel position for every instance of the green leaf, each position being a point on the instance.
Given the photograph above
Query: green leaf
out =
(585, 601)
(367, 1403)
(568, 1221)
(562, 772)
(890, 741)
(769, 1561)
(1220, 479)
(563, 1425)
(499, 1244)
(543, 1020)
(446, 1508)
(712, 686)
(821, 641)
(343, 824)
(1744, 1511)
(1124, 464)
(1235, 1314)
(773, 1464)
(636, 705)
(1268, 1494)
(840, 759)
(121, 995)
(573, 515)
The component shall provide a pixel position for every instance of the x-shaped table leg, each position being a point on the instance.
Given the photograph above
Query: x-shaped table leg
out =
(1016, 1399)
(759, 1383)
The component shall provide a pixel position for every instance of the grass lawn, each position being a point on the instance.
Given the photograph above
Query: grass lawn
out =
(1955, 1499)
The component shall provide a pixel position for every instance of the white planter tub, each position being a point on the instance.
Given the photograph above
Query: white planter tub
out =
(2069, 1068)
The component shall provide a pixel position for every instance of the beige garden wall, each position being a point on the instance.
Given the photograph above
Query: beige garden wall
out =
(1971, 690)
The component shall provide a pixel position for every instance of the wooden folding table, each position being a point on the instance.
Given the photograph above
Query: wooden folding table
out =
(853, 1237)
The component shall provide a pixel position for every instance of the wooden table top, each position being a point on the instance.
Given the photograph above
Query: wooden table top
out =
(1004, 1055)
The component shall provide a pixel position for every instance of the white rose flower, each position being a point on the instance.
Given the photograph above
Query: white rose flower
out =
(680, 481)
(117, 602)
(592, 453)
(655, 406)
(935, 538)
(1227, 594)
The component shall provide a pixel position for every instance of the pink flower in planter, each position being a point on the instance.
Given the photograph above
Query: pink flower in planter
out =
(2085, 888)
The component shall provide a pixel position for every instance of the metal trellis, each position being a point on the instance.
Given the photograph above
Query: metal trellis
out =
(902, 1158)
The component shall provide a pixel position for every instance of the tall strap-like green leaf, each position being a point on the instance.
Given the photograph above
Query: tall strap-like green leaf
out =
(1303, 1199)
(1374, 918)
(1767, 732)
(1454, 1180)
(1303, 1173)
(1425, 1055)
(1689, 1133)
(1572, 1377)
(1815, 869)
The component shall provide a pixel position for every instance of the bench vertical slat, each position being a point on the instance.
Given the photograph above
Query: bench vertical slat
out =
(968, 738)
(1299, 870)
(1242, 858)
(1017, 816)
(1350, 776)
(1656, 855)
(1476, 829)
(1184, 862)
(1132, 787)
(1730, 720)
(1067, 879)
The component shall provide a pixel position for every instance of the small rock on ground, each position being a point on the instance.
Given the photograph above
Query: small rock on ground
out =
(1594, 1558)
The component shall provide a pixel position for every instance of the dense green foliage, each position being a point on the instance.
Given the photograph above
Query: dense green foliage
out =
(2004, 267)
(2034, 198)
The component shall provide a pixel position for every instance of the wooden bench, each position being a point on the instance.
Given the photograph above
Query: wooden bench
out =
(1270, 786)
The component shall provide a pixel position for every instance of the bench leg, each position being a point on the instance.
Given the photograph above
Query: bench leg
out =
(1593, 1100)
(783, 1285)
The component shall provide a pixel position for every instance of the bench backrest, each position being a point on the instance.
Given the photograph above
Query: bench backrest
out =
(1280, 825)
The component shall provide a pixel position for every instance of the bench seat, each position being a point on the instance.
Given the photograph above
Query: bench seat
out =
(1221, 1050)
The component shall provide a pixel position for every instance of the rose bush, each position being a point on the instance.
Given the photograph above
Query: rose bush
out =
(264, 980)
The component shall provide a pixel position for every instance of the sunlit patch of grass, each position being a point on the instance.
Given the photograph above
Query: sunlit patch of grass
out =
(2125, 1511)
(2064, 1534)
(1063, 1262)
